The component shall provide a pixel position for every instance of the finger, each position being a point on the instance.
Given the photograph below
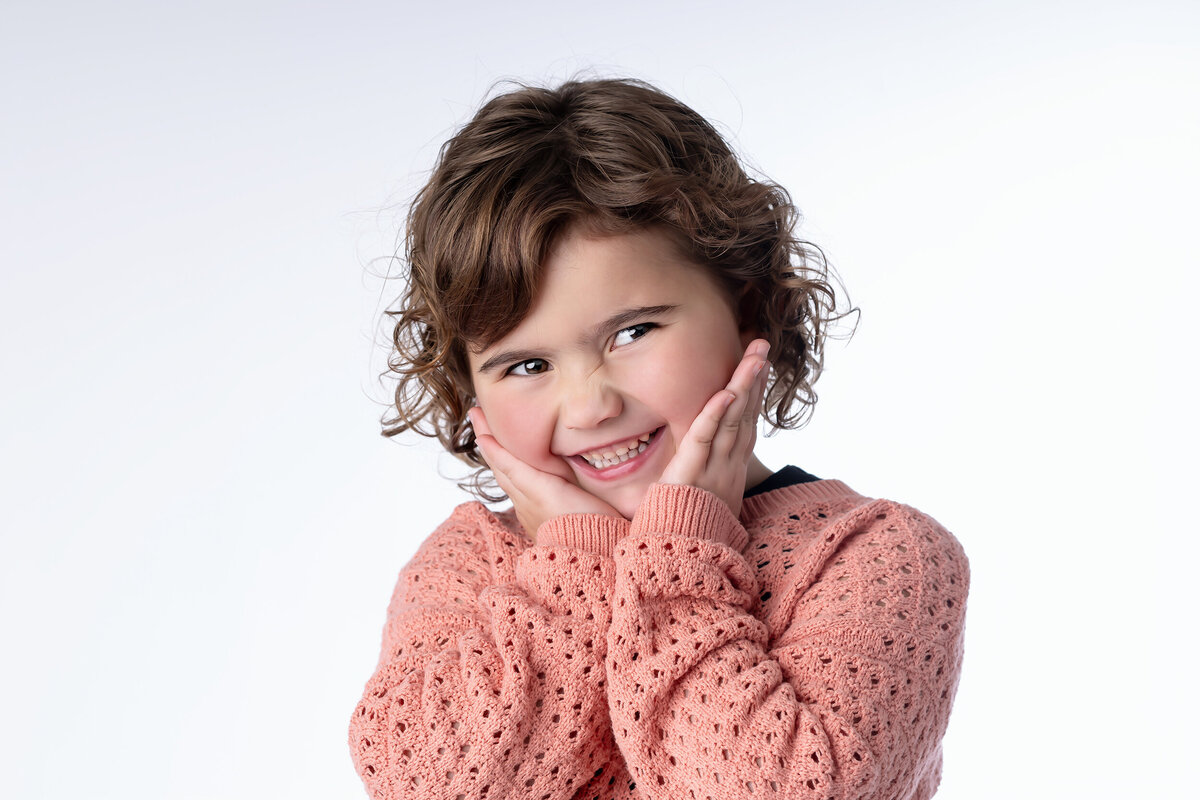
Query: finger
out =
(744, 374)
(755, 392)
(495, 456)
(527, 480)
(478, 421)
(742, 413)
(743, 426)
(479, 429)
(691, 456)
(745, 377)
(754, 407)
(515, 470)
(509, 470)
(749, 432)
(743, 429)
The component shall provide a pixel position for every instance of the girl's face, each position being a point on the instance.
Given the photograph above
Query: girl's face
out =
(625, 343)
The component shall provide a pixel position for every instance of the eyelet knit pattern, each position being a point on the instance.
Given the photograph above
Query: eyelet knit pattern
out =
(811, 649)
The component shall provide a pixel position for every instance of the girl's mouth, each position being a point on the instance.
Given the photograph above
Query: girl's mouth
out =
(610, 460)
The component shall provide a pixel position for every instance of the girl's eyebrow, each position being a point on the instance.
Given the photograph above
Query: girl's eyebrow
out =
(614, 323)
(623, 319)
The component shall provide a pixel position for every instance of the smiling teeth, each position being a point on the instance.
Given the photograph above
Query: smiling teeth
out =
(602, 459)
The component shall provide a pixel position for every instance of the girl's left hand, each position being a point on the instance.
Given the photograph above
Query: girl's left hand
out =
(718, 446)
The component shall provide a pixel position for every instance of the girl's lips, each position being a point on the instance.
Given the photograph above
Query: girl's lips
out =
(624, 468)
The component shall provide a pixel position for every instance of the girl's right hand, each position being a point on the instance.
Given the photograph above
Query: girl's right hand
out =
(536, 496)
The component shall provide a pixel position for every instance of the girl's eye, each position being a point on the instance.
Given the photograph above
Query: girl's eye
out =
(534, 366)
(633, 332)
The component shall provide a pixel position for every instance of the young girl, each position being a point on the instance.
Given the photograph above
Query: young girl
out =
(600, 306)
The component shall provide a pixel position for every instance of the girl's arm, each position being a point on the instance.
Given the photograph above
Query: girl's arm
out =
(848, 699)
(491, 677)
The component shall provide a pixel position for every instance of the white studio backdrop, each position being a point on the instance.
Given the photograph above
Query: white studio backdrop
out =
(201, 525)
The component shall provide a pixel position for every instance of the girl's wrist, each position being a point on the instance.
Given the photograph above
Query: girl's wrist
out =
(687, 510)
(590, 531)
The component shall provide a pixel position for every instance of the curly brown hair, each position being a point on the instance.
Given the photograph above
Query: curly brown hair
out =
(616, 155)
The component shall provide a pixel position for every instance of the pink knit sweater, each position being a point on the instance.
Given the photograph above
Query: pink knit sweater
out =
(811, 650)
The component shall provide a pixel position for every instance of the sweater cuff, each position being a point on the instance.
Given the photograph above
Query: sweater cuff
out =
(596, 533)
(688, 511)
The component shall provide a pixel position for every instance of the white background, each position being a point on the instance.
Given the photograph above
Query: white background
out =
(202, 525)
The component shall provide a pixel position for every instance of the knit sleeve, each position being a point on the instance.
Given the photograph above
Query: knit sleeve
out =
(491, 678)
(850, 700)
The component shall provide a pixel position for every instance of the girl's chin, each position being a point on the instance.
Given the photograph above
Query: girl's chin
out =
(626, 499)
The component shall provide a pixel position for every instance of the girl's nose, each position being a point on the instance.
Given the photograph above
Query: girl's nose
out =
(589, 402)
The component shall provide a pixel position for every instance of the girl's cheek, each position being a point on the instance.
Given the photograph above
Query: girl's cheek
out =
(686, 394)
(521, 429)
(511, 429)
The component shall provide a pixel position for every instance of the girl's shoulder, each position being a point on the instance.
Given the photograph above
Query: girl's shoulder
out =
(829, 555)
(832, 513)
(473, 538)
(473, 522)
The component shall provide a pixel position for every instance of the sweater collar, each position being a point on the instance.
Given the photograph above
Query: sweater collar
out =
(788, 497)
